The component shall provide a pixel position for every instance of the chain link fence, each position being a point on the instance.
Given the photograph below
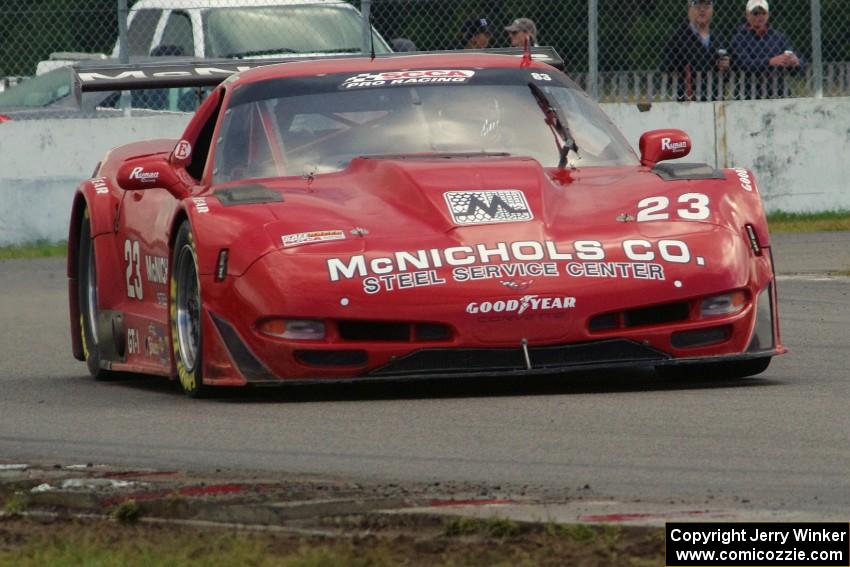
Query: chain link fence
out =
(631, 43)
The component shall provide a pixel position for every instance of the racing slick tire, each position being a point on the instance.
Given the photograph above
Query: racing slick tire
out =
(185, 314)
(728, 370)
(87, 300)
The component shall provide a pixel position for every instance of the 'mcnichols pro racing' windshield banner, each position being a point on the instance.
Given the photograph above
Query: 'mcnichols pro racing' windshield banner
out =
(805, 544)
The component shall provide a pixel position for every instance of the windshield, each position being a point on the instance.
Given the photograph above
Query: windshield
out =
(246, 32)
(308, 125)
(39, 91)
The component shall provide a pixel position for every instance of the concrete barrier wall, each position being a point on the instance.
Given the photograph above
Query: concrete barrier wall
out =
(796, 147)
(42, 162)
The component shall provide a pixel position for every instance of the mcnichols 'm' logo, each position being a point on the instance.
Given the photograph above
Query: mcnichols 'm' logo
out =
(485, 207)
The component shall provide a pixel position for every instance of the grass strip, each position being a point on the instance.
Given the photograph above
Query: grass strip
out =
(38, 249)
(829, 221)
(26, 542)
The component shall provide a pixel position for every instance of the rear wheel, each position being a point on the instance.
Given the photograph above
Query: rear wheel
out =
(186, 336)
(87, 300)
(728, 370)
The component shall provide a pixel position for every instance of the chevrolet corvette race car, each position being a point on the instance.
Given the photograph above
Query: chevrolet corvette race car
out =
(432, 215)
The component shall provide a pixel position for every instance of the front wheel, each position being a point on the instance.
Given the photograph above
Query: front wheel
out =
(185, 314)
(727, 370)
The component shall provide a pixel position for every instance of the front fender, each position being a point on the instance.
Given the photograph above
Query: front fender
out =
(239, 229)
(744, 205)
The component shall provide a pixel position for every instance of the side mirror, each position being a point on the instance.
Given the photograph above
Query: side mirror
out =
(661, 145)
(151, 173)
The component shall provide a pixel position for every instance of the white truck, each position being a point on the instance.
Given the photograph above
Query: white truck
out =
(245, 28)
(235, 29)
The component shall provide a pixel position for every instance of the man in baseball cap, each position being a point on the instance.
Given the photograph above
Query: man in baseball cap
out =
(755, 4)
(475, 34)
(763, 53)
(520, 30)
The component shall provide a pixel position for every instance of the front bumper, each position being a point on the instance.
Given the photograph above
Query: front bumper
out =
(244, 367)
(237, 354)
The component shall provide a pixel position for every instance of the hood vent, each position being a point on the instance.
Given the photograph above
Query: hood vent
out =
(686, 171)
(247, 195)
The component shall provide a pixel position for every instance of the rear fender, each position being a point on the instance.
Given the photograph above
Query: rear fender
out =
(78, 209)
(95, 202)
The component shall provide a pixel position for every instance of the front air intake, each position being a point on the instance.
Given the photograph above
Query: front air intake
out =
(701, 337)
(327, 358)
(380, 331)
(657, 314)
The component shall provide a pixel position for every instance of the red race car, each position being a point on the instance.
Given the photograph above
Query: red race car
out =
(432, 215)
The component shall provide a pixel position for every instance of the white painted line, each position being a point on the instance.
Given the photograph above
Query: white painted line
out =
(811, 278)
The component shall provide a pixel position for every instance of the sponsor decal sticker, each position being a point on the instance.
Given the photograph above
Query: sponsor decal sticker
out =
(488, 207)
(519, 306)
(156, 269)
(183, 150)
(517, 285)
(144, 176)
(100, 186)
(156, 343)
(675, 147)
(132, 341)
(417, 76)
(301, 238)
(513, 264)
(142, 74)
(744, 178)
(200, 205)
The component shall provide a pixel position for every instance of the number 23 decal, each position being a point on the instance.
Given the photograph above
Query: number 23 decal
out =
(655, 208)
(134, 264)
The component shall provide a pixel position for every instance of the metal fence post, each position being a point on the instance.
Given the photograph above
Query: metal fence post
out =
(123, 51)
(593, 48)
(366, 13)
(817, 52)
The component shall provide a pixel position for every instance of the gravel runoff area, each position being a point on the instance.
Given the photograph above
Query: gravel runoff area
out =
(128, 517)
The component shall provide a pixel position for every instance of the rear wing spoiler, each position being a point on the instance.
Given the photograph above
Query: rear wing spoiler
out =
(210, 72)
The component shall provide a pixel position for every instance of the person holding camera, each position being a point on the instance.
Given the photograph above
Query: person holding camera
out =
(763, 54)
(696, 57)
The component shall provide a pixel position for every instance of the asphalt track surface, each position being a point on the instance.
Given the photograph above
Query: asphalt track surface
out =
(780, 441)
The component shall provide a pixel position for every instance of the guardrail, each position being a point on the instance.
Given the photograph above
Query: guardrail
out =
(656, 86)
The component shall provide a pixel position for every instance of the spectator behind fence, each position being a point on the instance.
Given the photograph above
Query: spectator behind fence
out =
(764, 55)
(475, 34)
(696, 56)
(520, 30)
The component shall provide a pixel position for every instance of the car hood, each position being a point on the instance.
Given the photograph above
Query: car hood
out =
(432, 201)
